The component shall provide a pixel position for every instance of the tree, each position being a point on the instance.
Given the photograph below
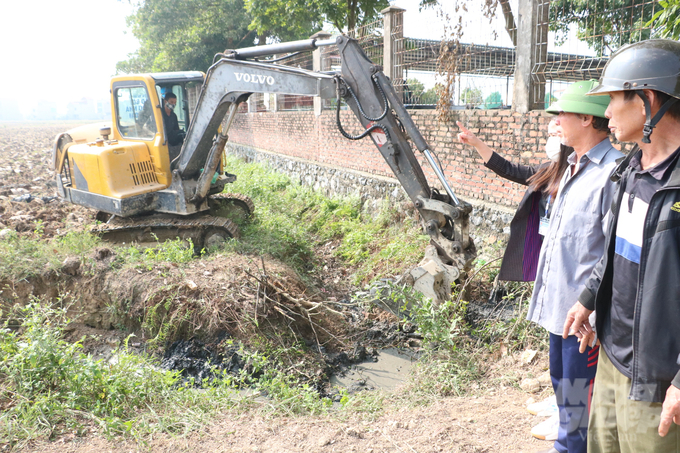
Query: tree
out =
(604, 24)
(413, 91)
(493, 101)
(185, 35)
(488, 9)
(430, 96)
(667, 21)
(471, 97)
(278, 17)
(284, 20)
(425, 4)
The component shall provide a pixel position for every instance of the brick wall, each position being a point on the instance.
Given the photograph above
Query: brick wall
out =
(301, 135)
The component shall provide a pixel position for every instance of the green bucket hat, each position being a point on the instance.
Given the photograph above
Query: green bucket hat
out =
(574, 100)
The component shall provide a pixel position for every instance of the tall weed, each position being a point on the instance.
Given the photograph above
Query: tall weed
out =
(48, 386)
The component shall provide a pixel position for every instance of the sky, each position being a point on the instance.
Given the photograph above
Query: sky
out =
(64, 50)
(61, 50)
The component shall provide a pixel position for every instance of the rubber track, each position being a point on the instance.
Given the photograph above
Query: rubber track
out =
(199, 224)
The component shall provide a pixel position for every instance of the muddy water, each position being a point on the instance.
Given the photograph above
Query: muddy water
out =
(390, 370)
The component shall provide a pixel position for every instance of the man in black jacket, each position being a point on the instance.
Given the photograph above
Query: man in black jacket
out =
(635, 288)
(174, 134)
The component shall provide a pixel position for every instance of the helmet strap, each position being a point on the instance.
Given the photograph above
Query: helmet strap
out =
(650, 123)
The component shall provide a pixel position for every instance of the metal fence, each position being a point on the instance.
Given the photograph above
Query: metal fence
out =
(571, 40)
(370, 37)
(575, 39)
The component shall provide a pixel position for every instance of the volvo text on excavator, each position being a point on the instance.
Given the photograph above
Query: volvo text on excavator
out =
(145, 189)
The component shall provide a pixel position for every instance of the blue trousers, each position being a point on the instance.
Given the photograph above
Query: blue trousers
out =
(572, 375)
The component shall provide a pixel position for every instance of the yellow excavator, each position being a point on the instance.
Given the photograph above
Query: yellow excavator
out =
(123, 169)
(144, 189)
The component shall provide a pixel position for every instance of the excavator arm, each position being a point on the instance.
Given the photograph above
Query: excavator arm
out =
(363, 86)
(372, 98)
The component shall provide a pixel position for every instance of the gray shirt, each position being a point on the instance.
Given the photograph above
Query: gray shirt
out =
(575, 239)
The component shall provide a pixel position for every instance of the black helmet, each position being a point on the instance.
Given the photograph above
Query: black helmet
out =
(652, 65)
(646, 65)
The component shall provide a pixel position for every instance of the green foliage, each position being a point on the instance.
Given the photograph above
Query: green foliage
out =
(516, 333)
(347, 15)
(49, 386)
(456, 350)
(283, 18)
(493, 101)
(291, 219)
(173, 251)
(440, 325)
(472, 96)
(183, 36)
(430, 96)
(162, 324)
(278, 227)
(368, 404)
(549, 99)
(605, 25)
(415, 93)
(446, 373)
(426, 4)
(290, 396)
(23, 256)
(395, 249)
(667, 20)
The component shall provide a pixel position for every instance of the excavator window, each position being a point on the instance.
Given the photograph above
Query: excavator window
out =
(181, 109)
(134, 113)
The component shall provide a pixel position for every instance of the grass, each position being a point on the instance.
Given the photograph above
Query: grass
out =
(49, 387)
(23, 256)
(290, 220)
(175, 251)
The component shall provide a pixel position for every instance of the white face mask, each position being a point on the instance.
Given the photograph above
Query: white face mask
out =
(552, 148)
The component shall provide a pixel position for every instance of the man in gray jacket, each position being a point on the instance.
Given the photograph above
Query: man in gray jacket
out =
(573, 244)
(635, 288)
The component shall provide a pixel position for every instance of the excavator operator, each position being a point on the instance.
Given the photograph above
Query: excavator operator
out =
(174, 133)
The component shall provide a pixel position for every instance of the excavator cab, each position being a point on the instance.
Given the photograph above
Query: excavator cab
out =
(138, 108)
(109, 166)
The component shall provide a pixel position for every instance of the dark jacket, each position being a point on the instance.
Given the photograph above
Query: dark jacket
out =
(656, 329)
(520, 259)
(174, 134)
